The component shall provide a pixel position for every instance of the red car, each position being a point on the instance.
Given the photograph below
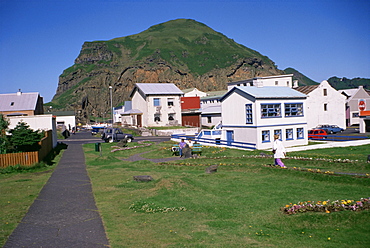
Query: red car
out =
(317, 134)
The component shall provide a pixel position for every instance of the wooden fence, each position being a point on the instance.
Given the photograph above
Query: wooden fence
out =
(28, 158)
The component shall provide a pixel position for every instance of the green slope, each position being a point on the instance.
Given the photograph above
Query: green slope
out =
(302, 79)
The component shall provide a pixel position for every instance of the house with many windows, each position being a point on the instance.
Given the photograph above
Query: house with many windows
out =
(158, 104)
(252, 115)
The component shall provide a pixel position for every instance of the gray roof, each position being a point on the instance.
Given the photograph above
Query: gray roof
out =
(211, 110)
(18, 101)
(267, 92)
(158, 89)
(132, 111)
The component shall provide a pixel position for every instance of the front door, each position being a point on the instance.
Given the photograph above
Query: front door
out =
(229, 137)
(139, 120)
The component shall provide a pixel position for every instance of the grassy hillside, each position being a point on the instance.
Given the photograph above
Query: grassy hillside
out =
(345, 83)
(184, 43)
(302, 79)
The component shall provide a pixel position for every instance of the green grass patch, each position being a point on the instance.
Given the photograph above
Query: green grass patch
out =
(239, 206)
(19, 187)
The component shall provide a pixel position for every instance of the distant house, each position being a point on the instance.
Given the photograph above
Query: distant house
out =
(252, 115)
(354, 97)
(21, 104)
(212, 98)
(190, 111)
(193, 92)
(324, 105)
(27, 108)
(159, 104)
(278, 80)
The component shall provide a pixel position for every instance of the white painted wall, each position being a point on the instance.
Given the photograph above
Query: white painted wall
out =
(37, 122)
(335, 102)
(68, 121)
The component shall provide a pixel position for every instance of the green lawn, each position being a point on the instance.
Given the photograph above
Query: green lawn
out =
(239, 206)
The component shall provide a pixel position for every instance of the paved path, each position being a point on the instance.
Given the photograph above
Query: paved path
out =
(64, 214)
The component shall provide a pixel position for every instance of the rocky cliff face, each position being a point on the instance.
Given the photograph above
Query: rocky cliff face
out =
(200, 58)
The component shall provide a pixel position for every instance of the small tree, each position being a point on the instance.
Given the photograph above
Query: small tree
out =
(24, 139)
(4, 142)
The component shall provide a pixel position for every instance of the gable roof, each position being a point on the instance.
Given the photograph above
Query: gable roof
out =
(307, 89)
(266, 92)
(157, 89)
(18, 101)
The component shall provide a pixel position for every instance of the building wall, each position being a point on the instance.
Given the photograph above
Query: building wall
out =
(27, 112)
(214, 118)
(335, 113)
(68, 121)
(140, 102)
(353, 105)
(191, 120)
(37, 122)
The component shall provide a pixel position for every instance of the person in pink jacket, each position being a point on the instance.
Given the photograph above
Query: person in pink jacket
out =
(279, 151)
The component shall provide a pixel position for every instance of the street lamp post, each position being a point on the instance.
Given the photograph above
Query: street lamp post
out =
(111, 103)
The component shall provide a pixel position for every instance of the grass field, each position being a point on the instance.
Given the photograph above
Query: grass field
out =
(18, 190)
(239, 206)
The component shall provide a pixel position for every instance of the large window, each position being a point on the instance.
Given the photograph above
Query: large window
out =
(270, 110)
(266, 136)
(293, 109)
(249, 114)
(300, 134)
(289, 134)
(156, 101)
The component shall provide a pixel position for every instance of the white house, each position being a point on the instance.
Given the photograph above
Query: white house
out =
(278, 80)
(193, 92)
(324, 105)
(252, 115)
(159, 104)
(354, 97)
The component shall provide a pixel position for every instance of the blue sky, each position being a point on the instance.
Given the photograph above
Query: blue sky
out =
(41, 38)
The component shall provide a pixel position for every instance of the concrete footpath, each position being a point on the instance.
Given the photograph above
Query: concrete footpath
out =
(64, 214)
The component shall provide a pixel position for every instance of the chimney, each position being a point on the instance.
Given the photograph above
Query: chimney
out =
(295, 84)
(19, 93)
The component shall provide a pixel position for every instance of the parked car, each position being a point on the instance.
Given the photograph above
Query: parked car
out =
(317, 134)
(96, 130)
(115, 135)
(331, 128)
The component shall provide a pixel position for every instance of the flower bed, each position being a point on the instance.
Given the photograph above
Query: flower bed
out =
(327, 206)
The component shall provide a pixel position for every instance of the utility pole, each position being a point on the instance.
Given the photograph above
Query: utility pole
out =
(111, 103)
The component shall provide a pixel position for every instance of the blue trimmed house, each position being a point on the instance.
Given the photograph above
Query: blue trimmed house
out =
(251, 116)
